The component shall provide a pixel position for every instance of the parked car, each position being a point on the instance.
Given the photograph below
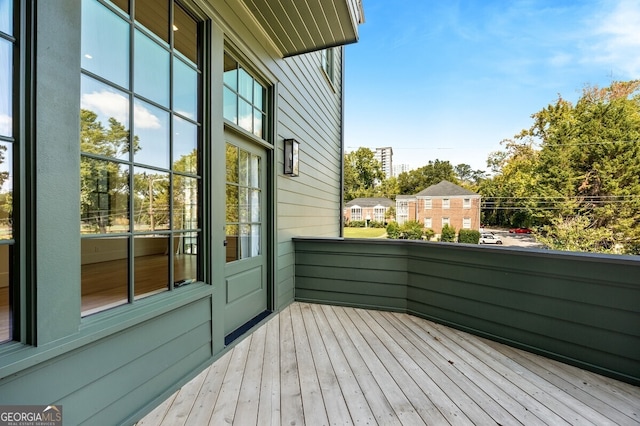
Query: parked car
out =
(519, 231)
(490, 239)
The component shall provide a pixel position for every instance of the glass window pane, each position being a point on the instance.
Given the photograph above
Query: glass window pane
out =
(151, 135)
(245, 85)
(104, 119)
(104, 273)
(122, 4)
(185, 89)
(258, 95)
(231, 241)
(230, 110)
(185, 146)
(150, 265)
(244, 205)
(5, 307)
(255, 240)
(230, 72)
(255, 205)
(244, 168)
(151, 200)
(154, 15)
(6, 15)
(185, 34)
(245, 241)
(233, 208)
(254, 173)
(185, 202)
(151, 70)
(257, 123)
(104, 196)
(232, 164)
(6, 191)
(245, 115)
(185, 261)
(6, 99)
(105, 43)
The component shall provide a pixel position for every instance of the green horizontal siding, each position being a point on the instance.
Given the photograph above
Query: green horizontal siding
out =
(579, 308)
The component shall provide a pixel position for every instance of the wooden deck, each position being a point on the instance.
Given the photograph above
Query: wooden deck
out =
(321, 365)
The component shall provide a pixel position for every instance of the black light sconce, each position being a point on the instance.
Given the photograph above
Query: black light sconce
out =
(291, 161)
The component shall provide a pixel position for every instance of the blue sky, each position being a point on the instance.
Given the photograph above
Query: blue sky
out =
(448, 80)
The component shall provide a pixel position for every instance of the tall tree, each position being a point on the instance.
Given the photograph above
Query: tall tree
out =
(434, 172)
(362, 172)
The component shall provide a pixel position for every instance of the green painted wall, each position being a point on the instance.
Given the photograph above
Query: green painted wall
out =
(579, 308)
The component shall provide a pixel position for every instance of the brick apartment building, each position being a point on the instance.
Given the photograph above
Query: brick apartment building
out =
(440, 204)
(372, 209)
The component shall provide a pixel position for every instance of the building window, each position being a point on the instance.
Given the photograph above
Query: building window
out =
(445, 203)
(445, 221)
(427, 222)
(9, 139)
(328, 61)
(356, 213)
(378, 214)
(427, 203)
(244, 99)
(466, 203)
(402, 211)
(140, 133)
(466, 223)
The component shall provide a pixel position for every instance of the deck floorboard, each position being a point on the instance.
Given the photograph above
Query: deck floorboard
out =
(320, 364)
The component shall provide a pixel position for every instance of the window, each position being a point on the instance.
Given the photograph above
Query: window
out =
(445, 203)
(8, 141)
(466, 203)
(445, 221)
(356, 213)
(402, 211)
(427, 203)
(378, 214)
(140, 141)
(328, 61)
(466, 223)
(427, 222)
(244, 99)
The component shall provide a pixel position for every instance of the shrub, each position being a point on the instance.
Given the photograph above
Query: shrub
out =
(469, 236)
(412, 230)
(393, 230)
(428, 234)
(448, 234)
(374, 224)
(357, 224)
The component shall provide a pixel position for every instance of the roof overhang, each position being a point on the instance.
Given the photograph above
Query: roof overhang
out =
(301, 26)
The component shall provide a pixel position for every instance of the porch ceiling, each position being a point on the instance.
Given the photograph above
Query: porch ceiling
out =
(300, 26)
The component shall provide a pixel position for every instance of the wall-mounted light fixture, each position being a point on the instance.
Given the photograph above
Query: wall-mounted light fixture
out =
(291, 162)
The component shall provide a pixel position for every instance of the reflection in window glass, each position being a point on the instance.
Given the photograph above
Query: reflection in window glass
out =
(151, 129)
(151, 200)
(104, 273)
(185, 203)
(104, 119)
(243, 98)
(6, 191)
(105, 43)
(185, 146)
(5, 310)
(154, 17)
(185, 33)
(104, 196)
(6, 13)
(151, 70)
(243, 204)
(185, 89)
(152, 211)
(151, 264)
(6, 113)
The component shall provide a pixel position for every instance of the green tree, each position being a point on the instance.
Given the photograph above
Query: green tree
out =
(434, 172)
(362, 172)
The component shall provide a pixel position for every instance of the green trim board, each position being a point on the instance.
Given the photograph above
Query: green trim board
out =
(582, 309)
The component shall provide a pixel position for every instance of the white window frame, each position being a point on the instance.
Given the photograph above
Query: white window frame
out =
(466, 223)
(446, 221)
(428, 222)
(446, 203)
(428, 203)
(356, 213)
(379, 213)
(466, 203)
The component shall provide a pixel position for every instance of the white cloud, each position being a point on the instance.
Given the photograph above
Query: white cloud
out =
(617, 33)
(115, 105)
(5, 124)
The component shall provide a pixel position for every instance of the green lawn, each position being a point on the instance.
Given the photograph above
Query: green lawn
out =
(365, 232)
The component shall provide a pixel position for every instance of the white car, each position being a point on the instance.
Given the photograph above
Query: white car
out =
(490, 239)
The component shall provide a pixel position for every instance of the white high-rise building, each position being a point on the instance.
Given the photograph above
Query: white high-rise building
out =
(400, 168)
(384, 156)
